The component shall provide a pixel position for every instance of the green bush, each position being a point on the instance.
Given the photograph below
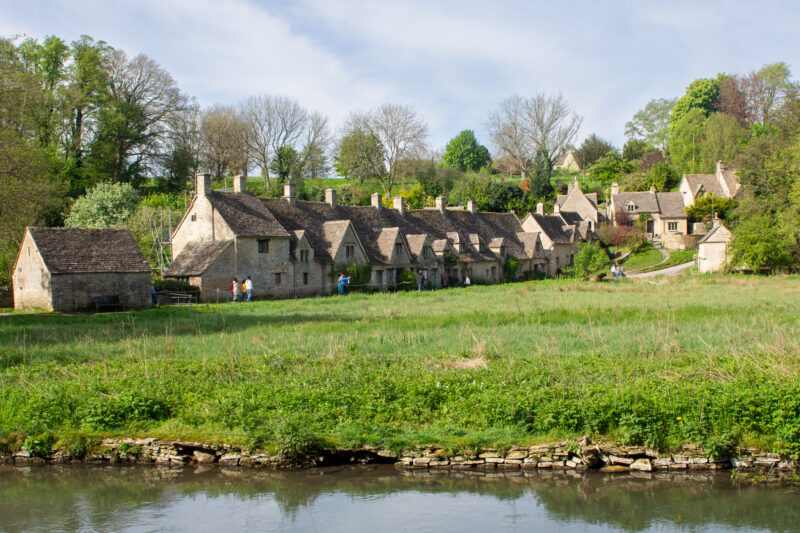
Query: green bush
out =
(40, 445)
(510, 268)
(590, 260)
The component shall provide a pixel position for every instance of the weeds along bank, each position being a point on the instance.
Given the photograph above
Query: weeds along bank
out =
(711, 361)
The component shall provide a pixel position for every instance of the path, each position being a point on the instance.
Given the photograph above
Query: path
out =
(669, 271)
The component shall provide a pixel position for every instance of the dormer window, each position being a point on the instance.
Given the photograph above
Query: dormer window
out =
(481, 247)
(263, 246)
(304, 256)
(398, 248)
(631, 208)
(349, 251)
(426, 251)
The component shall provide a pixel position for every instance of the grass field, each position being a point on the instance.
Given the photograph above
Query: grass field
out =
(643, 258)
(712, 360)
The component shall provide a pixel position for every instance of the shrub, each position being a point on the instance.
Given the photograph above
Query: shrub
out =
(510, 268)
(40, 445)
(590, 260)
(106, 205)
(628, 237)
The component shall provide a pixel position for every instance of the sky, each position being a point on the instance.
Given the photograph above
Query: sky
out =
(453, 61)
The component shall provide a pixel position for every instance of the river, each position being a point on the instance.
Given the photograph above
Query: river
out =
(351, 499)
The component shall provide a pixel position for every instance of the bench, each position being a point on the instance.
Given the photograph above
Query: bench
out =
(107, 302)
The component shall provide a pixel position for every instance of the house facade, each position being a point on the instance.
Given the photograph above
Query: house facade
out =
(723, 183)
(667, 220)
(66, 269)
(291, 247)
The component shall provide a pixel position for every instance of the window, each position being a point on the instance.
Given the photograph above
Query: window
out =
(481, 247)
(379, 277)
(672, 226)
(304, 256)
(349, 251)
(631, 208)
(398, 248)
(426, 251)
(263, 246)
(502, 250)
(494, 273)
(277, 278)
(194, 217)
(305, 278)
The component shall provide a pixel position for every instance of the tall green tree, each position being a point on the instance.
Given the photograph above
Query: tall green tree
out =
(687, 142)
(540, 174)
(465, 153)
(702, 94)
(593, 148)
(723, 139)
(360, 156)
(651, 124)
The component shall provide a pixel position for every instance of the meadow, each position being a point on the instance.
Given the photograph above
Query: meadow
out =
(709, 360)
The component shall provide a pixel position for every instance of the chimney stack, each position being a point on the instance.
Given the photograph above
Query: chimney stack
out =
(540, 209)
(330, 197)
(653, 189)
(569, 187)
(441, 203)
(288, 193)
(376, 200)
(399, 204)
(614, 188)
(471, 206)
(203, 183)
(556, 209)
(720, 167)
(240, 183)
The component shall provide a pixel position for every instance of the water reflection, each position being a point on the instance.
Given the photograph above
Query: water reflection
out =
(76, 498)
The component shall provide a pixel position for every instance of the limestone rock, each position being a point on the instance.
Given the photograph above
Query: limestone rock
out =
(617, 460)
(615, 468)
(591, 456)
(642, 465)
(203, 457)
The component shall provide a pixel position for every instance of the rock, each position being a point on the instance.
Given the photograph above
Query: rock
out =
(489, 455)
(591, 456)
(679, 466)
(698, 460)
(518, 454)
(662, 462)
(615, 468)
(230, 459)
(496, 460)
(439, 463)
(642, 465)
(785, 465)
(545, 464)
(388, 454)
(616, 460)
(203, 457)
(741, 462)
(422, 461)
(585, 441)
(540, 448)
(559, 464)
(571, 464)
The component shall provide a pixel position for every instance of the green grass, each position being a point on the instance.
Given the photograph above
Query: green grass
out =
(676, 257)
(643, 258)
(703, 360)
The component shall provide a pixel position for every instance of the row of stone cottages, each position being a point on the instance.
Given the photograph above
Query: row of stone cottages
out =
(293, 248)
(296, 248)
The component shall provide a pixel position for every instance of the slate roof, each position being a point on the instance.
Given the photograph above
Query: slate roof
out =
(708, 181)
(246, 214)
(671, 205)
(553, 227)
(645, 201)
(529, 242)
(196, 257)
(718, 233)
(592, 197)
(415, 244)
(84, 250)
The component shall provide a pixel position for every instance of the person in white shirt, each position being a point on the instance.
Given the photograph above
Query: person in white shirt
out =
(248, 287)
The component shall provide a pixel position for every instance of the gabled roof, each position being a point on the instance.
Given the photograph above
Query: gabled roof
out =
(73, 250)
(387, 239)
(718, 233)
(196, 257)
(645, 201)
(246, 214)
(531, 243)
(554, 228)
(708, 182)
(333, 233)
(671, 205)
(416, 242)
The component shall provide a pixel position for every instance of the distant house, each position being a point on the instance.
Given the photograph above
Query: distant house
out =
(559, 238)
(666, 209)
(576, 201)
(567, 161)
(65, 269)
(712, 250)
(723, 183)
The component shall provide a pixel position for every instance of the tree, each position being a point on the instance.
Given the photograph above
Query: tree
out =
(287, 164)
(608, 168)
(314, 157)
(593, 148)
(761, 243)
(360, 156)
(464, 153)
(766, 90)
(651, 124)
(708, 206)
(520, 127)
(106, 205)
(687, 140)
(635, 149)
(400, 132)
(723, 138)
(590, 260)
(540, 186)
(135, 121)
(702, 94)
(662, 177)
(222, 141)
(181, 159)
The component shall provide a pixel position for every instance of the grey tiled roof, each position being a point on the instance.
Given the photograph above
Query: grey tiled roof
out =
(709, 182)
(671, 204)
(73, 250)
(246, 214)
(554, 228)
(196, 257)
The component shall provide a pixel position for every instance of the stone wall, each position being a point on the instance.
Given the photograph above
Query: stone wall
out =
(30, 278)
(76, 291)
(567, 455)
(671, 241)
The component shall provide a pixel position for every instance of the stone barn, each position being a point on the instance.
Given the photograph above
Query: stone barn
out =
(65, 269)
(712, 250)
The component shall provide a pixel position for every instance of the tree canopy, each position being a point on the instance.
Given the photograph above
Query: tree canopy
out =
(465, 153)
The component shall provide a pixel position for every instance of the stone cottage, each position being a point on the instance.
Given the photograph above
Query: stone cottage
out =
(723, 183)
(668, 222)
(65, 269)
(557, 237)
(293, 248)
(712, 250)
(567, 161)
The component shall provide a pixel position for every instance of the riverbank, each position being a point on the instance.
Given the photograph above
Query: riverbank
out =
(713, 361)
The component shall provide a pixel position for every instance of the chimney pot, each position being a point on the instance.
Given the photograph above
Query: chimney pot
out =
(376, 200)
(652, 188)
(614, 188)
(240, 183)
(203, 183)
(540, 209)
(330, 197)
(399, 204)
(288, 193)
(441, 203)
(556, 209)
(471, 206)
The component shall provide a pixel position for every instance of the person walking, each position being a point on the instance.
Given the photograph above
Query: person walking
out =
(420, 280)
(344, 281)
(236, 290)
(614, 271)
(467, 281)
(248, 287)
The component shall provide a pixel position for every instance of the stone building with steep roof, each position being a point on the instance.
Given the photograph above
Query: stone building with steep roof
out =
(723, 183)
(668, 219)
(66, 269)
(712, 250)
(292, 247)
(567, 161)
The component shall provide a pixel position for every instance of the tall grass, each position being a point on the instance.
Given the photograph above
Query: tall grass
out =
(650, 363)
